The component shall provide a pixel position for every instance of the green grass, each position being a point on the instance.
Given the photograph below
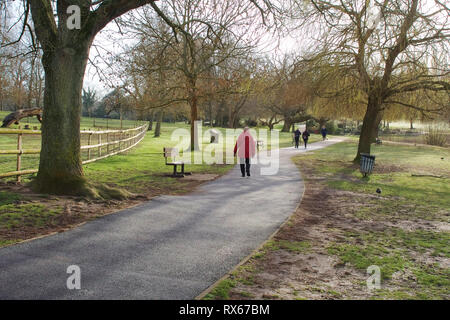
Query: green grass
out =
(221, 291)
(416, 189)
(427, 158)
(396, 250)
(142, 168)
(294, 246)
(393, 252)
(403, 198)
(14, 216)
(335, 161)
(362, 257)
(8, 198)
(389, 208)
(4, 243)
(31, 161)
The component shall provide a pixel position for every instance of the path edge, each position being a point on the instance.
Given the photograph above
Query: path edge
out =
(254, 251)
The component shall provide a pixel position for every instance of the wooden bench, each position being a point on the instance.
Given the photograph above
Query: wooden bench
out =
(172, 153)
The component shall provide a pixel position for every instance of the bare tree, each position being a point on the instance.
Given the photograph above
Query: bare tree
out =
(380, 50)
(285, 93)
(65, 48)
(203, 35)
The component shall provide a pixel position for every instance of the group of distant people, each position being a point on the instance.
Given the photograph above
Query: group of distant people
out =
(305, 136)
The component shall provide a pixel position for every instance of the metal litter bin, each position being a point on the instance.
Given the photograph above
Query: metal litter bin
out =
(367, 163)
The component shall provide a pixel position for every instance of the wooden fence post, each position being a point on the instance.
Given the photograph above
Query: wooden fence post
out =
(19, 155)
(107, 141)
(100, 142)
(89, 143)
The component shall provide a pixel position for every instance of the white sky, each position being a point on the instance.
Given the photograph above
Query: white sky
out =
(109, 39)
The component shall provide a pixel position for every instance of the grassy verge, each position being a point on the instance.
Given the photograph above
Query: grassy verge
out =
(345, 227)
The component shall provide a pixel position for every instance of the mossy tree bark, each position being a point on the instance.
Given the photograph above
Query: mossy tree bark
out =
(60, 167)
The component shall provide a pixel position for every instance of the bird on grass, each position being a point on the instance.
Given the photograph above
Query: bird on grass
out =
(378, 190)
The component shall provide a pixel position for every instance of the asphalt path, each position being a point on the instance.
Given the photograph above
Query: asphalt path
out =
(172, 247)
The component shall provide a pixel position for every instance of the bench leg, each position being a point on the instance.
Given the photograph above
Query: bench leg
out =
(174, 169)
(182, 168)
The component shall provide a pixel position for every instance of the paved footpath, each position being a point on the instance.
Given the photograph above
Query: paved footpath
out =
(172, 247)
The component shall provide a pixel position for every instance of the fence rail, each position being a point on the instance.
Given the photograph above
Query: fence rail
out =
(115, 141)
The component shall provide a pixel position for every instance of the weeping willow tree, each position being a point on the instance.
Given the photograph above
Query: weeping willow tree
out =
(374, 43)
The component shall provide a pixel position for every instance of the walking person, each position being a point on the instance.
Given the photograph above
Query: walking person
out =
(297, 135)
(324, 132)
(245, 148)
(305, 136)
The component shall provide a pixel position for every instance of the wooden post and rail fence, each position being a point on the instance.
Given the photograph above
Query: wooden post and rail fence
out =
(115, 141)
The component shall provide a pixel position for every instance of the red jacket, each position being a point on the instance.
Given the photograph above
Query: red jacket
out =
(245, 145)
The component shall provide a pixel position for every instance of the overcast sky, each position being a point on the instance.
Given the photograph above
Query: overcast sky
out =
(110, 39)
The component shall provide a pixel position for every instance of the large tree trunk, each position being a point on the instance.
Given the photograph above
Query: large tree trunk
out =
(150, 118)
(194, 117)
(158, 123)
(211, 120)
(287, 125)
(220, 114)
(371, 121)
(60, 167)
(376, 127)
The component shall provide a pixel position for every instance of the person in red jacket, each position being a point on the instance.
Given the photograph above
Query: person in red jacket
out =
(245, 148)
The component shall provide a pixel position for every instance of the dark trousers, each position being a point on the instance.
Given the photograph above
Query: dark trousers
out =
(245, 167)
(297, 140)
(306, 142)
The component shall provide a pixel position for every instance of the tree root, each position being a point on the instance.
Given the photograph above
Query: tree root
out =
(103, 191)
(82, 188)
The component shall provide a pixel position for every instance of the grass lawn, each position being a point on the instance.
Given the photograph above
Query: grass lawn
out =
(343, 226)
(31, 161)
(147, 150)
